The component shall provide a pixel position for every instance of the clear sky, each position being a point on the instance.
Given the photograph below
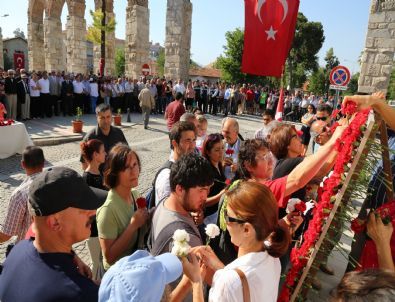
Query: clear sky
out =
(345, 24)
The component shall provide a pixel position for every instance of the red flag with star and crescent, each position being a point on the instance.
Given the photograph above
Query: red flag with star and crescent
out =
(269, 31)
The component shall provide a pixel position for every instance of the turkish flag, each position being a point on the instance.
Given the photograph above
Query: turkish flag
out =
(19, 60)
(280, 106)
(269, 31)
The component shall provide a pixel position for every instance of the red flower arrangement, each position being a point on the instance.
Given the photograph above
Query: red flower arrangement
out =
(349, 108)
(300, 207)
(345, 146)
(8, 122)
(229, 152)
(141, 203)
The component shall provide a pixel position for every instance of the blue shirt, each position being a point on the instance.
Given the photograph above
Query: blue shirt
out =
(43, 277)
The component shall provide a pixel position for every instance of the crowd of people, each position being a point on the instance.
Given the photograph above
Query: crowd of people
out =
(242, 185)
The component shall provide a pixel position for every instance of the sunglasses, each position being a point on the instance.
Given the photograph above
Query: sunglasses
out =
(232, 219)
(267, 157)
(324, 118)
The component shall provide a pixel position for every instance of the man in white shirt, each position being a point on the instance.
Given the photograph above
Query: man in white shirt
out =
(45, 97)
(269, 123)
(78, 92)
(230, 132)
(179, 87)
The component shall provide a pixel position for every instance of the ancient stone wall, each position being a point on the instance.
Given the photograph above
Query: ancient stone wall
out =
(53, 44)
(378, 55)
(35, 34)
(137, 37)
(1, 51)
(178, 39)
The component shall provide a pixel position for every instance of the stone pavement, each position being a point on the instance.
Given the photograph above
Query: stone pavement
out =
(61, 148)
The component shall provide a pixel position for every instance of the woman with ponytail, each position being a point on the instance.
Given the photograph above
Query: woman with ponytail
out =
(252, 221)
(94, 154)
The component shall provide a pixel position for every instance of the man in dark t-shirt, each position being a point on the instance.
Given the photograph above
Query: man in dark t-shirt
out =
(43, 269)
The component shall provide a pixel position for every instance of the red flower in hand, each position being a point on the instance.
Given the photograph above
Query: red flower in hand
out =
(229, 152)
(358, 225)
(141, 203)
(300, 207)
(227, 181)
(349, 108)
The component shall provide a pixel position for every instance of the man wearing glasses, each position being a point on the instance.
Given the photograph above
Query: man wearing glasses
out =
(320, 130)
(268, 124)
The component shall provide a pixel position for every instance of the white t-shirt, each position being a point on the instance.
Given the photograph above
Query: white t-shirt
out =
(78, 87)
(33, 92)
(179, 88)
(263, 276)
(94, 89)
(44, 84)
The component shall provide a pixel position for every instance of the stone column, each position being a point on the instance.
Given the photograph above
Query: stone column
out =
(110, 42)
(137, 37)
(53, 44)
(178, 39)
(35, 46)
(1, 51)
(378, 55)
(76, 44)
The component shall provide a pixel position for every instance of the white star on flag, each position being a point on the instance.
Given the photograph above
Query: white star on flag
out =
(271, 33)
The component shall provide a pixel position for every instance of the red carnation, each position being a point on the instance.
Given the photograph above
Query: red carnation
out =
(300, 207)
(227, 181)
(358, 225)
(141, 203)
(229, 151)
(349, 108)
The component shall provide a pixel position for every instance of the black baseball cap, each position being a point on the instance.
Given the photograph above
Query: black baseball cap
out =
(59, 188)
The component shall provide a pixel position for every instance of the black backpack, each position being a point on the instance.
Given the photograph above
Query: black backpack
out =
(150, 196)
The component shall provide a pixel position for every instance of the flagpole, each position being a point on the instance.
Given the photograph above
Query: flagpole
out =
(280, 105)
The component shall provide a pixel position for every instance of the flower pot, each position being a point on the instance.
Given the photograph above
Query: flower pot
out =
(77, 126)
(117, 120)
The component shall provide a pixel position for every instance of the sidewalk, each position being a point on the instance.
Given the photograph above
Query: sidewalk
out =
(58, 130)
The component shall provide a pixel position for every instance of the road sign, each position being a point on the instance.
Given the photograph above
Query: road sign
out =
(337, 87)
(339, 76)
(145, 70)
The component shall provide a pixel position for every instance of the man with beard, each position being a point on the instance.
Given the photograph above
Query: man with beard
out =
(62, 217)
(190, 182)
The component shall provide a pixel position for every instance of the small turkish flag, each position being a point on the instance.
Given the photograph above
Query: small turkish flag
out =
(19, 60)
(280, 106)
(269, 31)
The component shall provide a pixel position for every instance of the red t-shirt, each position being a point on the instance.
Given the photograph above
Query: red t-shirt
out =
(250, 95)
(174, 111)
(277, 186)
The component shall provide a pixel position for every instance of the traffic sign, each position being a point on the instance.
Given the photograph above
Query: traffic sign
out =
(145, 70)
(337, 87)
(339, 76)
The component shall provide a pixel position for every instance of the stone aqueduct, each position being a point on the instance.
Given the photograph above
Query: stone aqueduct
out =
(47, 50)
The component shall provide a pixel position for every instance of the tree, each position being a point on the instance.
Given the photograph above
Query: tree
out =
(391, 85)
(160, 62)
(353, 85)
(120, 61)
(317, 82)
(331, 62)
(96, 33)
(308, 40)
(18, 33)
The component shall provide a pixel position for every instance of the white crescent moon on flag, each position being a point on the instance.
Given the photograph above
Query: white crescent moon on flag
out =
(284, 3)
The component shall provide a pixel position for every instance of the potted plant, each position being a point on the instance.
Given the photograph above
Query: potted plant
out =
(77, 122)
(118, 118)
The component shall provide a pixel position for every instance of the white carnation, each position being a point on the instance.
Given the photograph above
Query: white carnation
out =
(181, 236)
(212, 230)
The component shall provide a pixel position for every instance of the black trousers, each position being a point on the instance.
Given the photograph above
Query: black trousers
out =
(46, 102)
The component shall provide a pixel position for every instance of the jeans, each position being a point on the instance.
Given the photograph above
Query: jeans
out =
(93, 103)
(146, 113)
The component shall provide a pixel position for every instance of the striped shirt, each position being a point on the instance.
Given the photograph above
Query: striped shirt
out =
(18, 219)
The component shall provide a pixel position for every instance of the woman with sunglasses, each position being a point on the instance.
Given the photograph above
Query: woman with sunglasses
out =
(252, 221)
(213, 150)
(256, 163)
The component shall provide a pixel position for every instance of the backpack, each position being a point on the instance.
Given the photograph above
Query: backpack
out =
(150, 196)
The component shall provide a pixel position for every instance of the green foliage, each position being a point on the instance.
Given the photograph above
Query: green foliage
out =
(353, 85)
(94, 31)
(317, 82)
(160, 62)
(391, 85)
(120, 61)
(19, 33)
(308, 40)
(193, 64)
(78, 114)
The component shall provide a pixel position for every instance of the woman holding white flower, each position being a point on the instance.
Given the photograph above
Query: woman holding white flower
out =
(252, 221)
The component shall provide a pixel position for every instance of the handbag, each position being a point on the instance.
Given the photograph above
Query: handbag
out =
(244, 284)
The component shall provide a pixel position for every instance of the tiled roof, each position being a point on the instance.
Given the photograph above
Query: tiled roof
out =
(205, 72)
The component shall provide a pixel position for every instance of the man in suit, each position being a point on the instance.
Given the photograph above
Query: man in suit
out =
(67, 96)
(23, 96)
(10, 91)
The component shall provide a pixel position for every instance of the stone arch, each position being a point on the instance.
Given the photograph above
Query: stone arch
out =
(35, 29)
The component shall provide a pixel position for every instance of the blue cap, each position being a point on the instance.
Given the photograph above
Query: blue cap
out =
(139, 277)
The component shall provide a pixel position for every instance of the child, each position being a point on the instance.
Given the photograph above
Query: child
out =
(201, 132)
